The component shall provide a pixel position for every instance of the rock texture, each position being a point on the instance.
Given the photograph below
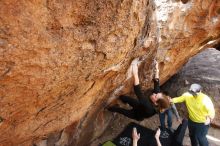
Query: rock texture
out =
(186, 28)
(61, 60)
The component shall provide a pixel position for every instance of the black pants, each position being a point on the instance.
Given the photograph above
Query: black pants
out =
(135, 113)
(197, 133)
(180, 133)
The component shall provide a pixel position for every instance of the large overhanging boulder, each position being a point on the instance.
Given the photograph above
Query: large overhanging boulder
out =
(61, 60)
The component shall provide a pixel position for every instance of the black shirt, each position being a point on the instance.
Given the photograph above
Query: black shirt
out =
(146, 106)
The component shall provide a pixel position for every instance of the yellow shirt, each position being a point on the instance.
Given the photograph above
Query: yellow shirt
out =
(198, 107)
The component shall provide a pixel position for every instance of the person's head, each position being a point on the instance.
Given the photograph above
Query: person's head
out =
(153, 97)
(163, 103)
(194, 89)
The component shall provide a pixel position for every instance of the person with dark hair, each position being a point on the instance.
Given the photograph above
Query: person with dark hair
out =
(144, 107)
(201, 112)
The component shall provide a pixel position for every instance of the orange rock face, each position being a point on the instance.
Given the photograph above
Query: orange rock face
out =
(60, 60)
(188, 28)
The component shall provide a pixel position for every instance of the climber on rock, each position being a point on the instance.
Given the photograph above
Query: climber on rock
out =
(146, 107)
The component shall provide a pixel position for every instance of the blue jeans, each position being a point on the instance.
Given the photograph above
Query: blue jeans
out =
(197, 133)
(167, 112)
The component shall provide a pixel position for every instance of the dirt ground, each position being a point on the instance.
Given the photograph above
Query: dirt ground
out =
(119, 122)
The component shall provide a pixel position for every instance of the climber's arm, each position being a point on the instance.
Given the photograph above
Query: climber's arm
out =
(135, 74)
